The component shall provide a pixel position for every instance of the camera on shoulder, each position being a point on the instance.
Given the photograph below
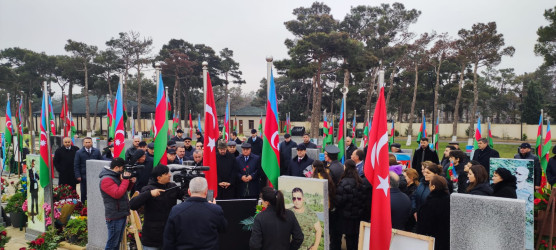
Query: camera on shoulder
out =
(187, 171)
(132, 168)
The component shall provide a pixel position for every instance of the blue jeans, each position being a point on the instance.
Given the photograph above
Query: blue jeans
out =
(115, 233)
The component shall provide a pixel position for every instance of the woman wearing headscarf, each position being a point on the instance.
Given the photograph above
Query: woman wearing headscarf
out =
(504, 184)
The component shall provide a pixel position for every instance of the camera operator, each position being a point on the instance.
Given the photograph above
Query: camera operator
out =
(158, 198)
(113, 188)
(140, 158)
(195, 223)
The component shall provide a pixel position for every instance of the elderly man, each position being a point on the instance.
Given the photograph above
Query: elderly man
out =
(195, 223)
(256, 143)
(248, 171)
(285, 148)
(198, 157)
(396, 148)
(87, 152)
(188, 148)
(63, 162)
(350, 147)
(171, 156)
(525, 153)
(226, 171)
(301, 165)
(232, 148)
(129, 152)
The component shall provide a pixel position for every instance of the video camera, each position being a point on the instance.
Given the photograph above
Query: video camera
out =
(187, 172)
(132, 168)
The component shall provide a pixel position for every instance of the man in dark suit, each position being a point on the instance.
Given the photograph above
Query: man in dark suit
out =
(301, 164)
(423, 153)
(235, 138)
(256, 143)
(87, 152)
(286, 153)
(178, 137)
(400, 204)
(484, 153)
(63, 162)
(249, 172)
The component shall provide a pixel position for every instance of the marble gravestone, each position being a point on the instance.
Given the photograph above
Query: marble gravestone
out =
(96, 226)
(484, 222)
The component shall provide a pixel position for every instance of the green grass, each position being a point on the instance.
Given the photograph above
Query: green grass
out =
(505, 150)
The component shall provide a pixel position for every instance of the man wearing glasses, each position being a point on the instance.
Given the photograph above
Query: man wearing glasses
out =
(308, 221)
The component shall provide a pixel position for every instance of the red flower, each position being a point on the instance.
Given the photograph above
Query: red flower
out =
(40, 241)
(33, 242)
(3, 233)
(537, 201)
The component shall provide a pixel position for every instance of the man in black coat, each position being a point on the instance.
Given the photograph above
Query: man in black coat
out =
(307, 141)
(195, 223)
(129, 152)
(423, 153)
(256, 143)
(232, 148)
(350, 147)
(525, 153)
(189, 149)
(336, 168)
(286, 153)
(87, 152)
(235, 139)
(157, 198)
(226, 171)
(400, 204)
(248, 172)
(484, 153)
(63, 162)
(178, 137)
(301, 165)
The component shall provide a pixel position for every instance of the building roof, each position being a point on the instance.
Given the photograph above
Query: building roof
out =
(248, 111)
(78, 107)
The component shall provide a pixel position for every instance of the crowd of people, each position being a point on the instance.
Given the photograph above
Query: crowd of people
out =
(420, 194)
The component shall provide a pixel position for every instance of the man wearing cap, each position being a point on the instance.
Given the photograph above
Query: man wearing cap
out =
(350, 147)
(235, 138)
(140, 158)
(188, 148)
(396, 148)
(248, 172)
(525, 153)
(336, 168)
(307, 141)
(171, 156)
(484, 153)
(129, 152)
(232, 148)
(157, 198)
(63, 162)
(301, 165)
(171, 145)
(226, 171)
(256, 143)
(150, 150)
(286, 153)
(178, 137)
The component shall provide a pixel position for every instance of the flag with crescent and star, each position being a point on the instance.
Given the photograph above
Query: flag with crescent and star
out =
(160, 125)
(8, 132)
(271, 155)
(44, 164)
(377, 172)
(211, 138)
(119, 134)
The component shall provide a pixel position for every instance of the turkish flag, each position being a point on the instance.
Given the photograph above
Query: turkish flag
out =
(211, 138)
(377, 172)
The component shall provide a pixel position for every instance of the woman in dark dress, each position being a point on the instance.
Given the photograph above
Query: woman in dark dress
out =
(433, 218)
(478, 181)
(504, 184)
(412, 178)
(275, 227)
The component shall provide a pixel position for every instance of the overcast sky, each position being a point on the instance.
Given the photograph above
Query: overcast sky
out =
(253, 29)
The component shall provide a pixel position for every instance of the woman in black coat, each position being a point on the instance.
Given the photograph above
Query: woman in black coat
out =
(433, 218)
(504, 184)
(478, 181)
(275, 226)
(352, 195)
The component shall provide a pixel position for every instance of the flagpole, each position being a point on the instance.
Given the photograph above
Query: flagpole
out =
(50, 184)
(268, 70)
(205, 71)
(354, 128)
(18, 139)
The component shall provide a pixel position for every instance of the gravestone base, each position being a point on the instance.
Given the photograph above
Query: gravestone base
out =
(31, 234)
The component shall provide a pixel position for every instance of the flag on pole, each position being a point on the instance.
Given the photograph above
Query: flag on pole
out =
(67, 119)
(289, 123)
(422, 130)
(160, 125)
(73, 129)
(271, 156)
(538, 145)
(365, 135)
(391, 140)
(4, 152)
(477, 135)
(199, 123)
(490, 143)
(19, 121)
(235, 125)
(210, 139)
(436, 135)
(190, 126)
(325, 130)
(51, 117)
(175, 122)
(226, 134)
(545, 155)
(119, 134)
(377, 172)
(261, 126)
(110, 120)
(353, 124)
(8, 132)
(44, 165)
(341, 143)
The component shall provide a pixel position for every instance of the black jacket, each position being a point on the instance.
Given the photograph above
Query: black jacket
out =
(272, 233)
(483, 156)
(253, 168)
(144, 174)
(481, 189)
(505, 189)
(189, 153)
(194, 224)
(286, 155)
(227, 172)
(536, 166)
(336, 169)
(463, 182)
(551, 171)
(310, 145)
(350, 150)
(352, 202)
(296, 168)
(400, 208)
(421, 155)
(80, 161)
(256, 145)
(409, 190)
(433, 219)
(63, 162)
(157, 210)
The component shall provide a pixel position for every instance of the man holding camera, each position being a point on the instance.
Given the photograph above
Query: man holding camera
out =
(158, 198)
(195, 223)
(114, 184)
(139, 158)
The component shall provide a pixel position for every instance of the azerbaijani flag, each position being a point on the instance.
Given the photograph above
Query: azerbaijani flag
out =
(110, 120)
(325, 131)
(119, 134)
(451, 173)
(538, 145)
(490, 136)
(477, 135)
(226, 134)
(261, 126)
(73, 128)
(199, 123)
(271, 156)
(436, 136)
(44, 164)
(51, 117)
(160, 125)
(365, 135)
(19, 121)
(341, 142)
(545, 156)
(391, 141)
(422, 130)
(8, 132)
(353, 124)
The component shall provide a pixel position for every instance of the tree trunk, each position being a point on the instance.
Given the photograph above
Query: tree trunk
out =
(391, 86)
(475, 100)
(87, 115)
(436, 90)
(317, 88)
(412, 111)
(124, 90)
(371, 88)
(458, 99)
(139, 128)
(309, 98)
(108, 81)
(96, 114)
